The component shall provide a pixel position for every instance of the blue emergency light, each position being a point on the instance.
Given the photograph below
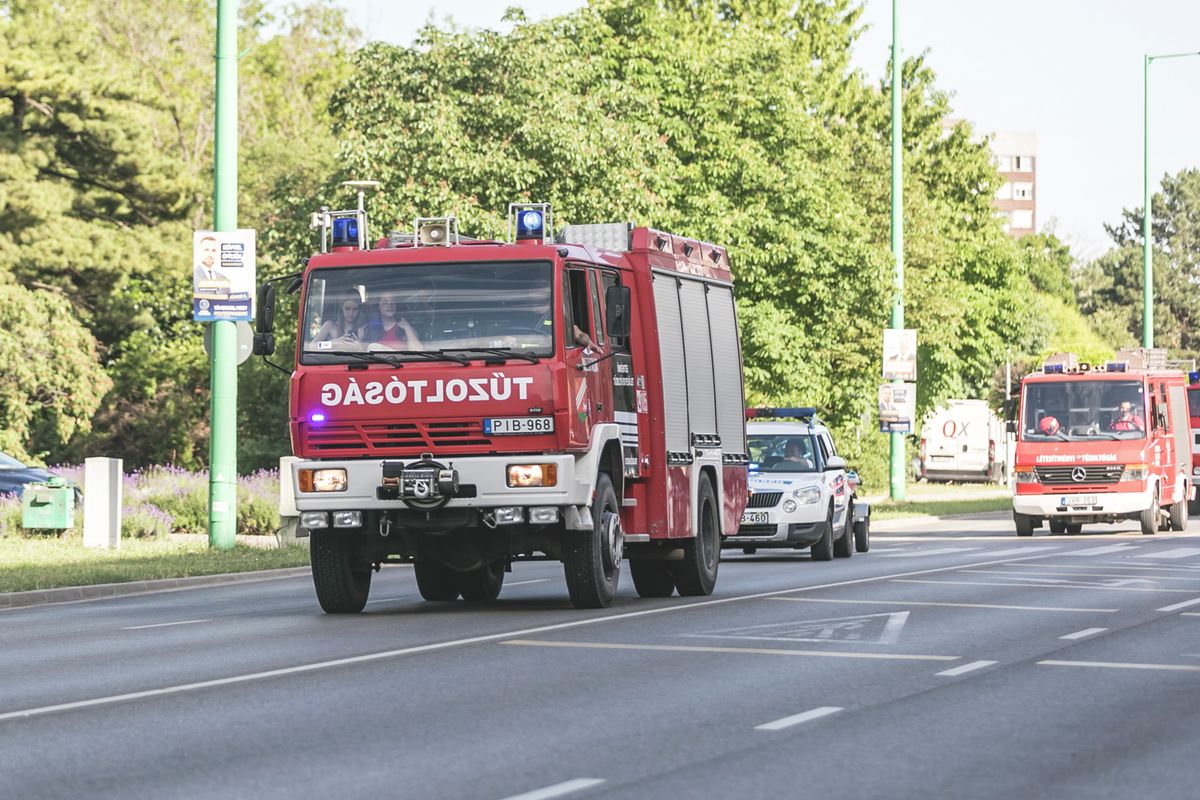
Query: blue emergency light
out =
(345, 232)
(1194, 377)
(794, 412)
(316, 416)
(1116, 366)
(531, 225)
(1053, 369)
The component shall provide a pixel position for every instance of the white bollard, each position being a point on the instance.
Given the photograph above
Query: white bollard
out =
(289, 517)
(102, 498)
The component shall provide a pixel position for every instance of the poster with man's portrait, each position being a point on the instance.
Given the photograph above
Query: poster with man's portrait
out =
(223, 275)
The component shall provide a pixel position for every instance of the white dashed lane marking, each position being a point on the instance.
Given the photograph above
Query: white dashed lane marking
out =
(796, 719)
(959, 670)
(1083, 634)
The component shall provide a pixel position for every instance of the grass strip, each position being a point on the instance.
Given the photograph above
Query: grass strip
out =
(887, 509)
(32, 562)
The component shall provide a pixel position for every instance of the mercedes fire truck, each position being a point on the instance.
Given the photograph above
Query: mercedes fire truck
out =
(462, 404)
(1102, 443)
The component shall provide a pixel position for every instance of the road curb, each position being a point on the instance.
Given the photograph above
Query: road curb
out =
(904, 523)
(76, 594)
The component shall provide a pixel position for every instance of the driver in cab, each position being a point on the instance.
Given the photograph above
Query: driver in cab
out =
(1126, 419)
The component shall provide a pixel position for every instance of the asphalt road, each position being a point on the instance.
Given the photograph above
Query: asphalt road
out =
(953, 660)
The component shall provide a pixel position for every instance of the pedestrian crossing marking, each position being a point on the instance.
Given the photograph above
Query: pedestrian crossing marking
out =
(1178, 552)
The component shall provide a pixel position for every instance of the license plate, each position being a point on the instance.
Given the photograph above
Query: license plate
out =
(1079, 500)
(506, 426)
(755, 518)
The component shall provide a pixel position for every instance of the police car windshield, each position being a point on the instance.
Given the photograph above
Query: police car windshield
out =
(497, 308)
(1083, 410)
(781, 452)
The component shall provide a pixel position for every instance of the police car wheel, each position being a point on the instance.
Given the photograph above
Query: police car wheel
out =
(435, 581)
(696, 574)
(844, 546)
(341, 577)
(590, 567)
(652, 578)
(482, 584)
(862, 535)
(823, 549)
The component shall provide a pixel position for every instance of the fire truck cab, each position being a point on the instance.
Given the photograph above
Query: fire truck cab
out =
(1102, 443)
(461, 404)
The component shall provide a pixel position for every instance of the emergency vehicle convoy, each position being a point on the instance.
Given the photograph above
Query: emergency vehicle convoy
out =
(1101, 443)
(461, 404)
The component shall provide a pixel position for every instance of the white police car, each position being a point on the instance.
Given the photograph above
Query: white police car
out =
(801, 495)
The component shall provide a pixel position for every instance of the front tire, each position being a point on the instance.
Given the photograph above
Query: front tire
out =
(342, 579)
(652, 578)
(823, 549)
(1024, 524)
(696, 574)
(592, 559)
(1149, 517)
(844, 546)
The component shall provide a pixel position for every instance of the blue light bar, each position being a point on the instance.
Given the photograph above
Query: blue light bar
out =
(1194, 377)
(345, 232)
(531, 225)
(1116, 366)
(1053, 369)
(793, 412)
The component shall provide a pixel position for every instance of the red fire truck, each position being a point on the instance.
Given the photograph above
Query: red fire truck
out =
(1101, 443)
(461, 404)
(1194, 413)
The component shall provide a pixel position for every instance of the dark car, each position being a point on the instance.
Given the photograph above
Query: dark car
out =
(14, 475)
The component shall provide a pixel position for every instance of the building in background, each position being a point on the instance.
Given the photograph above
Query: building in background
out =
(1015, 154)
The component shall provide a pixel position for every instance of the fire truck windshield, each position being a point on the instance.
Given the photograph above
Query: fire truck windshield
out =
(1081, 410)
(416, 310)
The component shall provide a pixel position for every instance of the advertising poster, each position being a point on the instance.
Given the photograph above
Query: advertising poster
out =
(897, 407)
(899, 355)
(223, 279)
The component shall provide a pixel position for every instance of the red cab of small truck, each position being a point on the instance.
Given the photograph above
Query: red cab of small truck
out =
(462, 404)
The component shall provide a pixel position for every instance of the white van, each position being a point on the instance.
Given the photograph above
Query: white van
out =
(963, 441)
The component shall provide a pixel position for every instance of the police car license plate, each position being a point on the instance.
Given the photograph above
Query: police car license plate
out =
(754, 518)
(1080, 500)
(504, 426)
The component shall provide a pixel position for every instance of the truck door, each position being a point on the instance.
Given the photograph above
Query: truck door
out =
(585, 404)
(1161, 439)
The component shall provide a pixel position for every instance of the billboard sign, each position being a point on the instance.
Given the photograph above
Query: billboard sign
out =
(897, 407)
(223, 279)
(899, 354)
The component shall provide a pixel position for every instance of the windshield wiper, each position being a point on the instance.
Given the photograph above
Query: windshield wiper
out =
(384, 356)
(499, 351)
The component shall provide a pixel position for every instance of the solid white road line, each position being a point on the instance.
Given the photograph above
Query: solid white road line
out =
(1121, 665)
(971, 667)
(796, 719)
(1106, 564)
(757, 651)
(1049, 586)
(1099, 551)
(1178, 552)
(559, 789)
(525, 583)
(1184, 604)
(491, 637)
(937, 551)
(1119, 576)
(164, 624)
(1083, 634)
(947, 605)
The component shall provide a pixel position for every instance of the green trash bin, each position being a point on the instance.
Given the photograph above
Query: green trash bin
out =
(48, 506)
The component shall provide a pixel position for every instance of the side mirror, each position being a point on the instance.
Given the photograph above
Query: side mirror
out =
(263, 344)
(834, 463)
(264, 320)
(617, 310)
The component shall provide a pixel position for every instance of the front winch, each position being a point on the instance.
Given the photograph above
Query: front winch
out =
(424, 484)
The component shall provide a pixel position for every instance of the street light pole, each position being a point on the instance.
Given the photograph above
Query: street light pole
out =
(896, 448)
(1147, 259)
(222, 461)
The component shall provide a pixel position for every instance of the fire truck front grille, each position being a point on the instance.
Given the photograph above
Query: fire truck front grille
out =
(1068, 476)
(764, 499)
(397, 438)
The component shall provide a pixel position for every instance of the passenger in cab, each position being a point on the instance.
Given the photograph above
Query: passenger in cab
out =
(1126, 419)
(392, 329)
(347, 328)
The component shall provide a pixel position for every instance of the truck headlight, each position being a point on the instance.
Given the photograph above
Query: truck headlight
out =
(1135, 472)
(322, 480)
(1025, 476)
(807, 496)
(1196, 470)
(521, 476)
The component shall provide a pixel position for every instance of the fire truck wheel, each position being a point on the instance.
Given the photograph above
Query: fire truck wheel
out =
(1075, 528)
(592, 559)
(844, 546)
(862, 535)
(435, 580)
(1024, 524)
(482, 584)
(1149, 517)
(1179, 516)
(696, 574)
(342, 579)
(652, 578)
(1058, 526)
(823, 550)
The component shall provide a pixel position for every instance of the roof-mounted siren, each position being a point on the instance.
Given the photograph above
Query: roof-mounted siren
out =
(435, 231)
(347, 229)
(530, 222)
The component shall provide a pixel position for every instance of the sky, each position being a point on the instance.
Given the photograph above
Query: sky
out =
(1069, 71)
